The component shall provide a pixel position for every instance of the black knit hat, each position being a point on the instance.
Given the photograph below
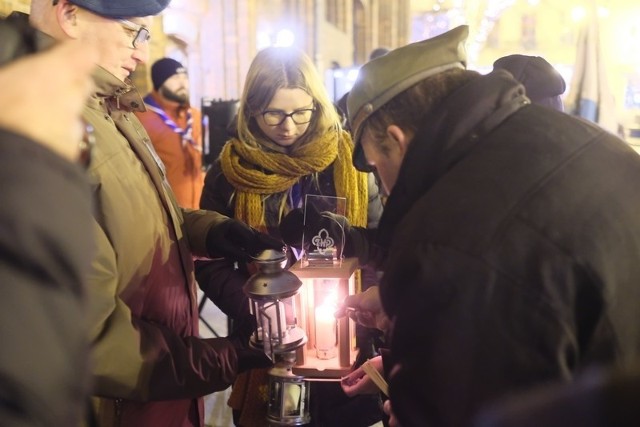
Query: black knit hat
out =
(543, 84)
(123, 8)
(163, 69)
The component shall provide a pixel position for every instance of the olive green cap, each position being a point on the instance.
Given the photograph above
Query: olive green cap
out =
(385, 77)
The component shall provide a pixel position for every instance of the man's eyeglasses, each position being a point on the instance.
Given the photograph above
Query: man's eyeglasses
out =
(142, 33)
(277, 117)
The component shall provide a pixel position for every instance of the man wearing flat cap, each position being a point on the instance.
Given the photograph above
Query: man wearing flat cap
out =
(511, 233)
(175, 129)
(150, 366)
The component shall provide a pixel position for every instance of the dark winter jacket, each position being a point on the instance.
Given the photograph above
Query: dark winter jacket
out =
(45, 252)
(598, 398)
(514, 238)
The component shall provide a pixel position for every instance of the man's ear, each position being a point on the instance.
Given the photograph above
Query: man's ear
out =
(400, 137)
(67, 16)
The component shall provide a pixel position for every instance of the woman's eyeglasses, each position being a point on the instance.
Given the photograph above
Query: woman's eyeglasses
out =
(277, 117)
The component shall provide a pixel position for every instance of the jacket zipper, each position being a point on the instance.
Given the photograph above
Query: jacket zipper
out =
(118, 411)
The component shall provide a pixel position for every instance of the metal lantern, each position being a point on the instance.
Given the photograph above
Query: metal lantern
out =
(288, 394)
(271, 292)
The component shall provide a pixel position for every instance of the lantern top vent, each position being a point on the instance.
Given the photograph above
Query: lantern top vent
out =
(271, 281)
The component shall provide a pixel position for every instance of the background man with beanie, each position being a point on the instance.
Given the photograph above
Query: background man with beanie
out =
(511, 233)
(543, 84)
(175, 129)
(149, 364)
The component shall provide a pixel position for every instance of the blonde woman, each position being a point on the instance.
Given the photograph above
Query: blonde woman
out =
(289, 143)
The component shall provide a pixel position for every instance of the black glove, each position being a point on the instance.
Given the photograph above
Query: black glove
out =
(235, 240)
(248, 357)
(356, 239)
(241, 330)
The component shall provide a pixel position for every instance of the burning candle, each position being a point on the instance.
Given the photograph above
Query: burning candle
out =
(325, 331)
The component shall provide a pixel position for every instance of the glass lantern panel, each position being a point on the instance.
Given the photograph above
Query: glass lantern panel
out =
(291, 400)
(275, 397)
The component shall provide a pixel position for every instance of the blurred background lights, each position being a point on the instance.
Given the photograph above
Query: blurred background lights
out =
(285, 38)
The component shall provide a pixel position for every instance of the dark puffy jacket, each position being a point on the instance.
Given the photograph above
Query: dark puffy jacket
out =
(514, 235)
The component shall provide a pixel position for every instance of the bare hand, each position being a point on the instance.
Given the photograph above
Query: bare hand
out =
(43, 95)
(393, 421)
(358, 382)
(365, 308)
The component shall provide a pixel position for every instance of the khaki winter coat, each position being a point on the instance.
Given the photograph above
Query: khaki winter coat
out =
(149, 365)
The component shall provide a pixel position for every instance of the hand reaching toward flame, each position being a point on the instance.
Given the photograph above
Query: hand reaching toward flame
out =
(366, 309)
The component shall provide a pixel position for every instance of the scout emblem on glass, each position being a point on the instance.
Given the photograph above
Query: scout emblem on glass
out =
(323, 238)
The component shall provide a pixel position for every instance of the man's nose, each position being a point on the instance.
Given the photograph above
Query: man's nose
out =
(141, 53)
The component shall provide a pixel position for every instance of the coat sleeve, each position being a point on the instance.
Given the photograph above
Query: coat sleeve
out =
(374, 207)
(370, 275)
(217, 193)
(45, 251)
(219, 279)
(197, 224)
(141, 360)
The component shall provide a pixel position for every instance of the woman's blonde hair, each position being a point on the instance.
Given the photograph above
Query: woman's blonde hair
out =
(276, 68)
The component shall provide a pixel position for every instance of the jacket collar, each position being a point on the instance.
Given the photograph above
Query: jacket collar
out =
(118, 94)
(451, 131)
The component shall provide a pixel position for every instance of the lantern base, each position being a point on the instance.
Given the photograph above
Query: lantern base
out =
(294, 339)
(288, 394)
(320, 369)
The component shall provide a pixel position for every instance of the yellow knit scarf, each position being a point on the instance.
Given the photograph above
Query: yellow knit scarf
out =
(256, 173)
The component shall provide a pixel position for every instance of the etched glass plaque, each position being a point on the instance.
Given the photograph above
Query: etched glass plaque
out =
(324, 222)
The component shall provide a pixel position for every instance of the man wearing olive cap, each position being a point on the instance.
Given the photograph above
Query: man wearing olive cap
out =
(149, 364)
(512, 233)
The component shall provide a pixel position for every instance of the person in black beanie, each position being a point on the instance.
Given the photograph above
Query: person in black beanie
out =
(543, 84)
(175, 129)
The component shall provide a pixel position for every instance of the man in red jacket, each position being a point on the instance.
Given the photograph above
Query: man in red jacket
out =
(175, 129)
